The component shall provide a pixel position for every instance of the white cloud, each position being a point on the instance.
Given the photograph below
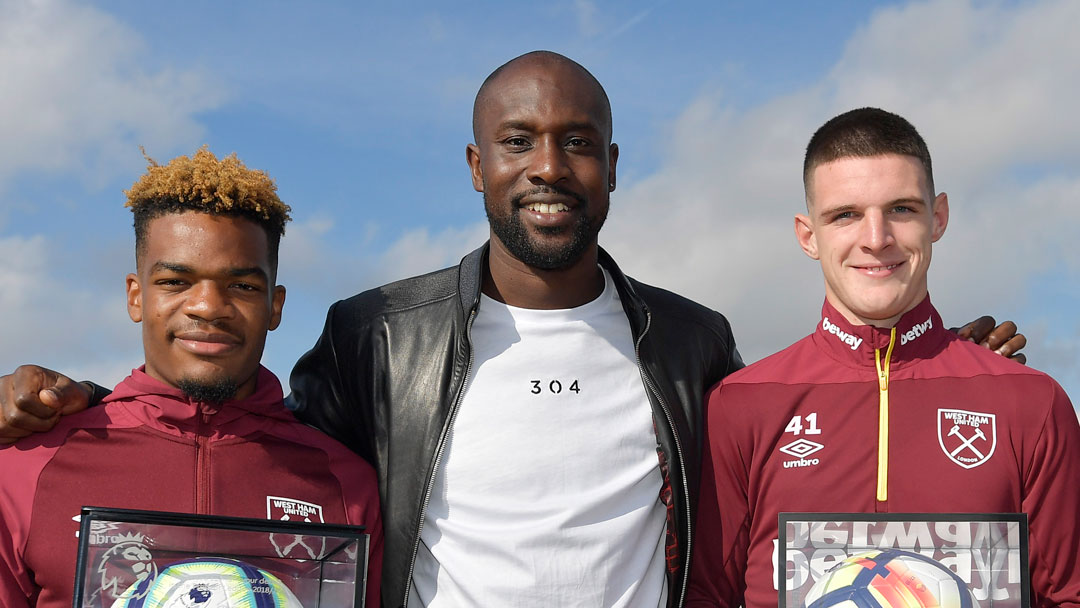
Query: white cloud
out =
(325, 271)
(420, 251)
(79, 98)
(585, 12)
(57, 323)
(988, 87)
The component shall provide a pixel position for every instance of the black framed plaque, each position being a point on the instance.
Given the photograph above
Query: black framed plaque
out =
(961, 560)
(154, 559)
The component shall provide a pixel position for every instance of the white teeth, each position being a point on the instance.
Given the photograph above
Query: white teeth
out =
(880, 268)
(547, 208)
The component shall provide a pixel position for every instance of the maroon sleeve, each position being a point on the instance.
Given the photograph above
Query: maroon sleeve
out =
(19, 470)
(1052, 502)
(372, 519)
(360, 492)
(718, 567)
(15, 584)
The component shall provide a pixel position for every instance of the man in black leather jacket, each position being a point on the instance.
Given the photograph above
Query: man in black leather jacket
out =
(387, 374)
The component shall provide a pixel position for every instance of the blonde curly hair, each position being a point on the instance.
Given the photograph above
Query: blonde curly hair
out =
(206, 184)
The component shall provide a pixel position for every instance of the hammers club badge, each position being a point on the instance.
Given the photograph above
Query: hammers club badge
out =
(967, 438)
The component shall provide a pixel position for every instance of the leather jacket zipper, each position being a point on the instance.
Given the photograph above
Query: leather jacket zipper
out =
(438, 456)
(651, 386)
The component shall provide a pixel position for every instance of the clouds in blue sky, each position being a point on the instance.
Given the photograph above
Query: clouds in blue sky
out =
(362, 112)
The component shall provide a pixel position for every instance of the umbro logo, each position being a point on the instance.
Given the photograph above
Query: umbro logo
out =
(803, 424)
(800, 449)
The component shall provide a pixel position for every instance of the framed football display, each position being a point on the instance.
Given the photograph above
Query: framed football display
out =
(143, 559)
(910, 560)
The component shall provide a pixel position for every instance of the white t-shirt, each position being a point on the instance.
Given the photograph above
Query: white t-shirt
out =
(547, 493)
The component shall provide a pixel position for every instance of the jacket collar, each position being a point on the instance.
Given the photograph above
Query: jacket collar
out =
(471, 280)
(157, 403)
(919, 335)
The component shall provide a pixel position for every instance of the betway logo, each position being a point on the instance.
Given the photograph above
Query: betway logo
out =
(850, 339)
(917, 331)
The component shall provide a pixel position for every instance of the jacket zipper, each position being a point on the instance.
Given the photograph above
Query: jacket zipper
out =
(651, 386)
(883, 418)
(202, 466)
(438, 457)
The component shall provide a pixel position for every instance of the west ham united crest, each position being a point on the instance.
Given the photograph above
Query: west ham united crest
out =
(967, 438)
(295, 545)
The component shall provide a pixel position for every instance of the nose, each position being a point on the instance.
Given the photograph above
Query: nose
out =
(548, 162)
(208, 301)
(876, 232)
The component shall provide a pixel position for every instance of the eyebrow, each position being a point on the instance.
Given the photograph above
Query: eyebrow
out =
(852, 207)
(232, 272)
(528, 126)
(171, 266)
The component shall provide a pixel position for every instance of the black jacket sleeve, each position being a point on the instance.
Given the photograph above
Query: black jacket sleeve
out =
(325, 398)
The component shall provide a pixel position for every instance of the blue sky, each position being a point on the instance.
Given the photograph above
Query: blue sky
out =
(361, 112)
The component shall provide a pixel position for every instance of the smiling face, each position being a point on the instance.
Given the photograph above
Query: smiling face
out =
(544, 161)
(205, 297)
(871, 223)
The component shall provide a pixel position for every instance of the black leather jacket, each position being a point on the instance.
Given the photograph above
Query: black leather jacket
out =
(386, 377)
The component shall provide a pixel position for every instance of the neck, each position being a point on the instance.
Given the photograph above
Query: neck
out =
(512, 282)
(856, 319)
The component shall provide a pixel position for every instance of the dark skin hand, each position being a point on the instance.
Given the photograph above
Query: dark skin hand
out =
(33, 398)
(1002, 339)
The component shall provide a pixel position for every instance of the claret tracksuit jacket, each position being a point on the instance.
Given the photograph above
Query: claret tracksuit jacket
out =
(148, 447)
(862, 419)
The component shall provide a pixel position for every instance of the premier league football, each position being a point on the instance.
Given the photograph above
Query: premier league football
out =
(210, 583)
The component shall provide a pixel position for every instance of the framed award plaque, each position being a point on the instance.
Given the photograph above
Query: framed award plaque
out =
(885, 560)
(153, 559)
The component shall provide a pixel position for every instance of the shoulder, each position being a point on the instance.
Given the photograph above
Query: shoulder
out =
(340, 457)
(402, 295)
(1002, 379)
(793, 364)
(963, 358)
(22, 463)
(670, 307)
(33, 446)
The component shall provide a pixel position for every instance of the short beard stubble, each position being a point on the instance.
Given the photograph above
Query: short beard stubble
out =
(515, 237)
(215, 390)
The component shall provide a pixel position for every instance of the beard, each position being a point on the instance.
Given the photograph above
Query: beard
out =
(214, 390)
(515, 236)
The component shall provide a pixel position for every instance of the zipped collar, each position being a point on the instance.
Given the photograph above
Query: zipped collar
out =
(166, 407)
(919, 335)
(471, 280)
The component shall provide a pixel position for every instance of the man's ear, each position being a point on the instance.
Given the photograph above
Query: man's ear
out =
(276, 305)
(134, 298)
(613, 159)
(804, 233)
(941, 217)
(472, 156)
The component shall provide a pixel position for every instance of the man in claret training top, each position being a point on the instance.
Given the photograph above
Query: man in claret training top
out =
(201, 427)
(870, 400)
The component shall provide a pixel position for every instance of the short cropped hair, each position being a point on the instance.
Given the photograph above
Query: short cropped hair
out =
(538, 56)
(861, 133)
(205, 184)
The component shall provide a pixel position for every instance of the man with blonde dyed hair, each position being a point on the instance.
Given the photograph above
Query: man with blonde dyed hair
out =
(188, 430)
